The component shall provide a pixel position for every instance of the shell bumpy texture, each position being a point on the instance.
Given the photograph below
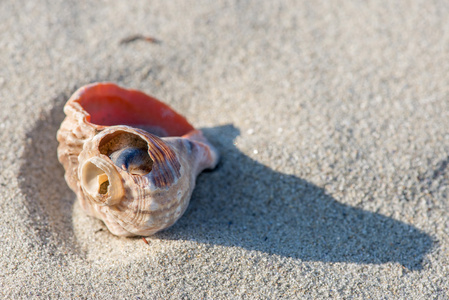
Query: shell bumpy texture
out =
(138, 183)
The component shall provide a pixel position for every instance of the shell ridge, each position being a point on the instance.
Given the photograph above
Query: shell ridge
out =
(137, 216)
(166, 167)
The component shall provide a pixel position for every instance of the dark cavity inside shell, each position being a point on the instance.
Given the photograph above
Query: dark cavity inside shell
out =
(128, 152)
(110, 105)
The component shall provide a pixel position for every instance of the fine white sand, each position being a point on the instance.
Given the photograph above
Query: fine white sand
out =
(332, 118)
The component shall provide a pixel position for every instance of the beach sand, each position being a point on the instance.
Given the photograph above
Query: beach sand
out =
(331, 117)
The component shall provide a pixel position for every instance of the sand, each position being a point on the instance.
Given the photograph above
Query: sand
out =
(332, 119)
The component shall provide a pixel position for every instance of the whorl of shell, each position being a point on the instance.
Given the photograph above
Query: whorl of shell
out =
(131, 160)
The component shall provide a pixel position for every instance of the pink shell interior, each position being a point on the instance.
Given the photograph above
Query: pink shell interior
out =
(108, 104)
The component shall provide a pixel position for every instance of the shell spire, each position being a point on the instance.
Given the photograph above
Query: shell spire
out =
(131, 160)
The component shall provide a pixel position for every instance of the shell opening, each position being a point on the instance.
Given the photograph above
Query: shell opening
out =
(95, 180)
(128, 152)
(109, 105)
(101, 182)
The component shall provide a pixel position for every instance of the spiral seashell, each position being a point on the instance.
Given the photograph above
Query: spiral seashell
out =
(131, 160)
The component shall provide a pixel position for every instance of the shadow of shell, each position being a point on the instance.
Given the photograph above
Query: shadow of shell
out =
(41, 179)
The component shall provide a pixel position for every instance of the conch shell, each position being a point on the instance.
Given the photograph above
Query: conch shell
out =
(131, 160)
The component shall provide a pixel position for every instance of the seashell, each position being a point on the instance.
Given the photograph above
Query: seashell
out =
(131, 160)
